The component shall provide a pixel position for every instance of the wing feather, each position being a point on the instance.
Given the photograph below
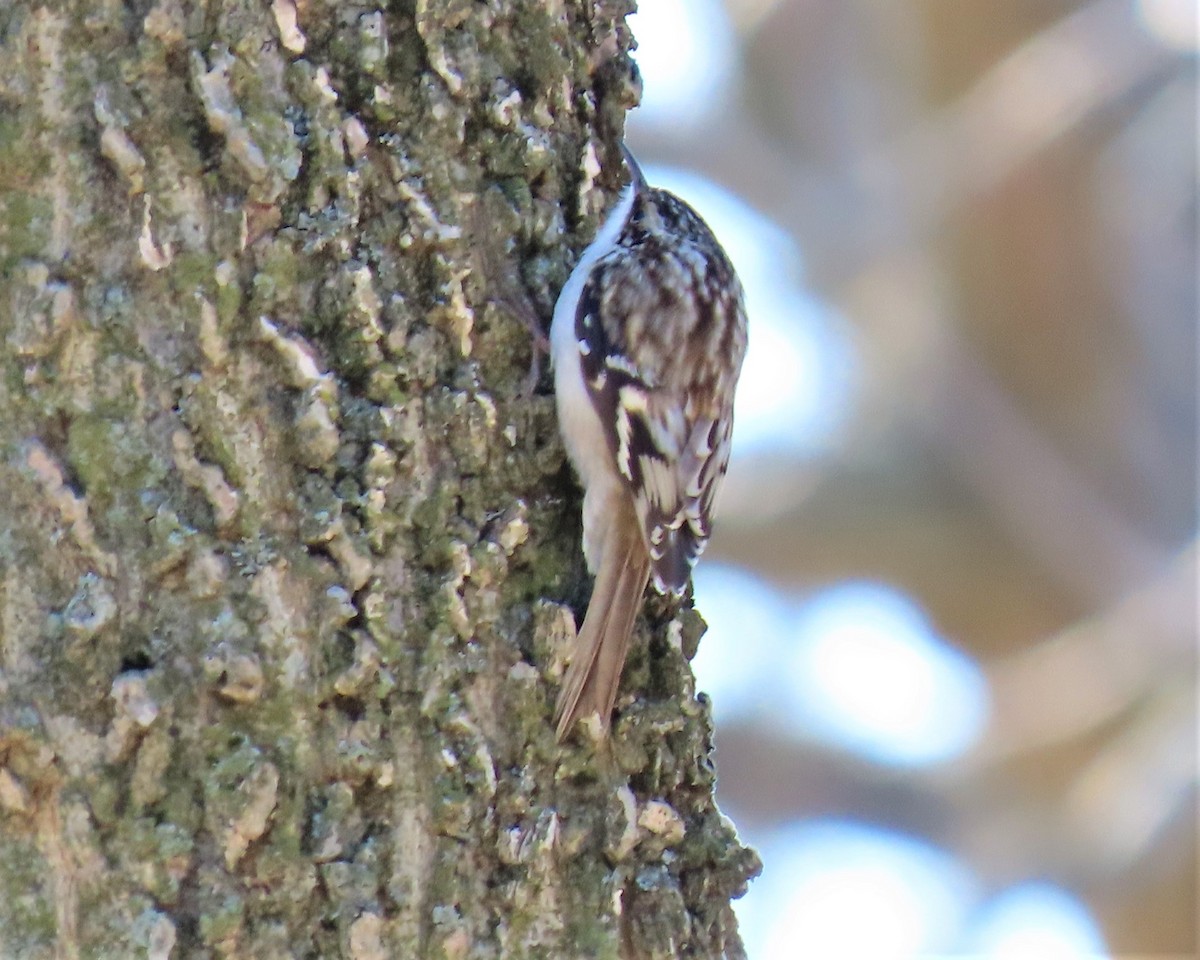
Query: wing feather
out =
(651, 320)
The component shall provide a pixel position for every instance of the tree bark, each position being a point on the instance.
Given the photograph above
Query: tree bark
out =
(289, 563)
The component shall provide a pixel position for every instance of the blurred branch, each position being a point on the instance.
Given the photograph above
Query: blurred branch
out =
(1122, 802)
(1039, 498)
(1093, 671)
(1130, 807)
(1058, 79)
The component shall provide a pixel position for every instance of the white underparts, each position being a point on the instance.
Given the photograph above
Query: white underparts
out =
(579, 424)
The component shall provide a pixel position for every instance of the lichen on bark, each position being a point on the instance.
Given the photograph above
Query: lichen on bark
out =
(288, 552)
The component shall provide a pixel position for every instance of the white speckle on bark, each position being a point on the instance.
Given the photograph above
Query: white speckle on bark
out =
(590, 168)
(460, 563)
(373, 42)
(212, 344)
(13, 795)
(324, 86)
(239, 676)
(624, 844)
(316, 434)
(290, 35)
(165, 23)
(366, 940)
(72, 510)
(458, 316)
(300, 364)
(675, 635)
(132, 698)
(134, 711)
(153, 256)
(225, 117)
(355, 567)
(429, 26)
(206, 478)
(259, 791)
(660, 818)
(356, 136)
(157, 932)
(513, 528)
(506, 110)
(115, 144)
(90, 609)
(45, 42)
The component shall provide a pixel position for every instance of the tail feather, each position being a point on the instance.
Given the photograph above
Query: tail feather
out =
(590, 685)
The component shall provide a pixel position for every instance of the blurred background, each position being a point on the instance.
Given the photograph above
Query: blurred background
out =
(952, 593)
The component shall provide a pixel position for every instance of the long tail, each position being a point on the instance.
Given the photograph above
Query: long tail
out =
(590, 685)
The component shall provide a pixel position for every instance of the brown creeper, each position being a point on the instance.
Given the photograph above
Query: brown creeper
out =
(647, 344)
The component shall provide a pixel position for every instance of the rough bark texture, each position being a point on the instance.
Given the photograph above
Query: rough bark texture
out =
(288, 557)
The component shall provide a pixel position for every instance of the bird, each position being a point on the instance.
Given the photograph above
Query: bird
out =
(647, 341)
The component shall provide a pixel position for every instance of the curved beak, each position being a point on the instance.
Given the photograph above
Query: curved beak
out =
(635, 172)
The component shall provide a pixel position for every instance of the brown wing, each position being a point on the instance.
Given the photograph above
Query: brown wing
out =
(664, 328)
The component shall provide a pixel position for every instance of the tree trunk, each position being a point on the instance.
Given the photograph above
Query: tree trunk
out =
(289, 562)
